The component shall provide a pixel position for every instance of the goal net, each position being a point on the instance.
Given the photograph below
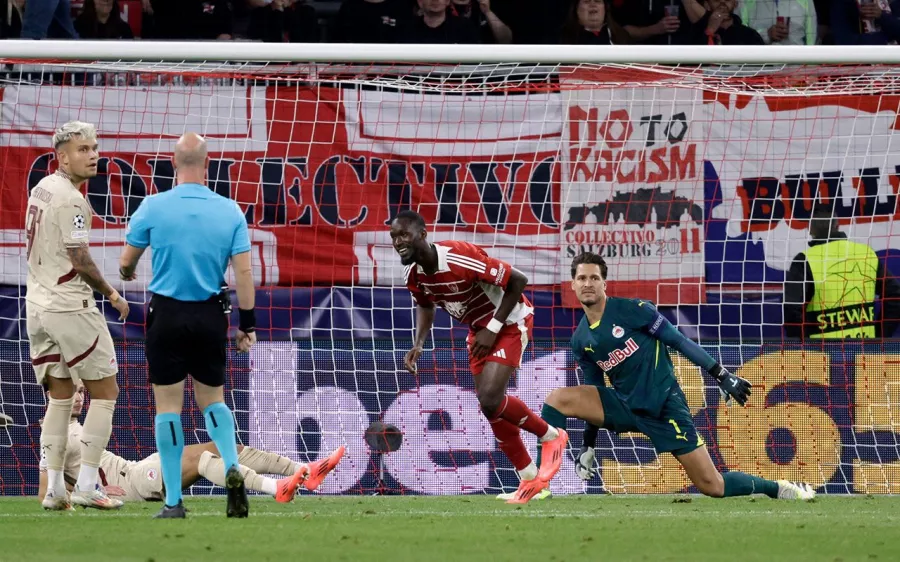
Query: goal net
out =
(695, 183)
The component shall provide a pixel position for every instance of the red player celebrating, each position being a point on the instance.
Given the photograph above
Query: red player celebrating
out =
(486, 294)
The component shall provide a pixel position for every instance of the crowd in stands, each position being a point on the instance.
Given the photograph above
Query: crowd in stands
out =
(592, 22)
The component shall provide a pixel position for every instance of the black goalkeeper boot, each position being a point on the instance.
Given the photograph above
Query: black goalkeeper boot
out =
(238, 506)
(171, 512)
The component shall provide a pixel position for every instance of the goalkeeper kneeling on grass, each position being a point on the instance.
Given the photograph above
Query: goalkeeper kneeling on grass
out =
(628, 340)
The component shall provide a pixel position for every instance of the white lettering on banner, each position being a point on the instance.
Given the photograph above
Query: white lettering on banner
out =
(632, 175)
(106, 246)
(842, 154)
(342, 420)
(277, 410)
(466, 433)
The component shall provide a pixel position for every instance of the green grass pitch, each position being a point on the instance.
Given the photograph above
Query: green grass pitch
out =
(399, 529)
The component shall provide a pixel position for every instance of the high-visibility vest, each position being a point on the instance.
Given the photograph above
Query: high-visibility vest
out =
(843, 305)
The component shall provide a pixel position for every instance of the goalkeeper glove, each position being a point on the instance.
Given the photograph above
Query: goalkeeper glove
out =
(731, 386)
(584, 464)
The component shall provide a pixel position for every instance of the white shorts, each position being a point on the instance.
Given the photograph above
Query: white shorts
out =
(142, 480)
(70, 345)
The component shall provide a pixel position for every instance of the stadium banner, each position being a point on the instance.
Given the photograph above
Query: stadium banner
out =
(633, 188)
(673, 185)
(769, 158)
(825, 414)
(319, 172)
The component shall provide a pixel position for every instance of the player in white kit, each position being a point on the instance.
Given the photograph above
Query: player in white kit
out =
(142, 480)
(67, 335)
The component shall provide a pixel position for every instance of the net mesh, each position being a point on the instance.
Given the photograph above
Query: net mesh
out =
(696, 184)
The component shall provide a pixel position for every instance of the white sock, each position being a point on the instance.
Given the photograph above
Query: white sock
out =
(268, 485)
(54, 437)
(88, 478)
(55, 481)
(94, 438)
(551, 434)
(530, 472)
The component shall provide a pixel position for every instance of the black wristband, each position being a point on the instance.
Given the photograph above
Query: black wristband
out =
(247, 320)
(716, 371)
(589, 438)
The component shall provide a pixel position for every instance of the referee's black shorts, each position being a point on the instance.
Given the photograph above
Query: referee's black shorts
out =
(186, 338)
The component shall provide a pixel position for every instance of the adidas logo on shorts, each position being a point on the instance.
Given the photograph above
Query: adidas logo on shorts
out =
(501, 353)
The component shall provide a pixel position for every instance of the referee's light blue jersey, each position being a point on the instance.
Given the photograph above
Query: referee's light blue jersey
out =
(193, 232)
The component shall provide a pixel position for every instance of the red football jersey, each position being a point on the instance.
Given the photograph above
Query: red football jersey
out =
(468, 284)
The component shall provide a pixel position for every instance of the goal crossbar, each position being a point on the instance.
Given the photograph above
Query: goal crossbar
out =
(457, 54)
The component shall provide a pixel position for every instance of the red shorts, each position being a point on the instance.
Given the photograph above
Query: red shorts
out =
(508, 347)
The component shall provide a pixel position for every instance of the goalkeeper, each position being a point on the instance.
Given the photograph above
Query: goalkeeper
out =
(629, 340)
(142, 480)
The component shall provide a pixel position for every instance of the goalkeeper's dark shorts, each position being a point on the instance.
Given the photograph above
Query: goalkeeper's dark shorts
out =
(672, 432)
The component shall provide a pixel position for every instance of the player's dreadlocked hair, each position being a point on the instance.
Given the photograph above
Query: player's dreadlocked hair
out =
(412, 217)
(589, 258)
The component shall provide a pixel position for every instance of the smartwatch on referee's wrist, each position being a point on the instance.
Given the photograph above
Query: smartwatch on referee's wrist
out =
(247, 320)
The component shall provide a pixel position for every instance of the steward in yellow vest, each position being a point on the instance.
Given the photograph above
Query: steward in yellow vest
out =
(830, 290)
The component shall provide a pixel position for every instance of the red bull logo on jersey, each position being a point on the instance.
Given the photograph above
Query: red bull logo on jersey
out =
(616, 356)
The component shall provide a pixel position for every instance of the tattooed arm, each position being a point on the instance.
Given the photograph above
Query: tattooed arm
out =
(84, 265)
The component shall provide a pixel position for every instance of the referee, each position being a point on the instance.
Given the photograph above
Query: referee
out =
(193, 233)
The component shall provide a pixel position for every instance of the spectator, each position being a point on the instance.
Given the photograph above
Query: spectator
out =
(435, 25)
(658, 22)
(11, 20)
(537, 21)
(830, 290)
(823, 15)
(782, 22)
(590, 23)
(101, 19)
(273, 21)
(48, 18)
(491, 28)
(190, 19)
(867, 23)
(721, 26)
(370, 21)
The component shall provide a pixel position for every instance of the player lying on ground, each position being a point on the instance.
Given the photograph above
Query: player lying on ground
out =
(486, 294)
(142, 480)
(628, 340)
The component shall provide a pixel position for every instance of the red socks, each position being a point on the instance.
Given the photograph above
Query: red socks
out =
(510, 442)
(517, 413)
(505, 423)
